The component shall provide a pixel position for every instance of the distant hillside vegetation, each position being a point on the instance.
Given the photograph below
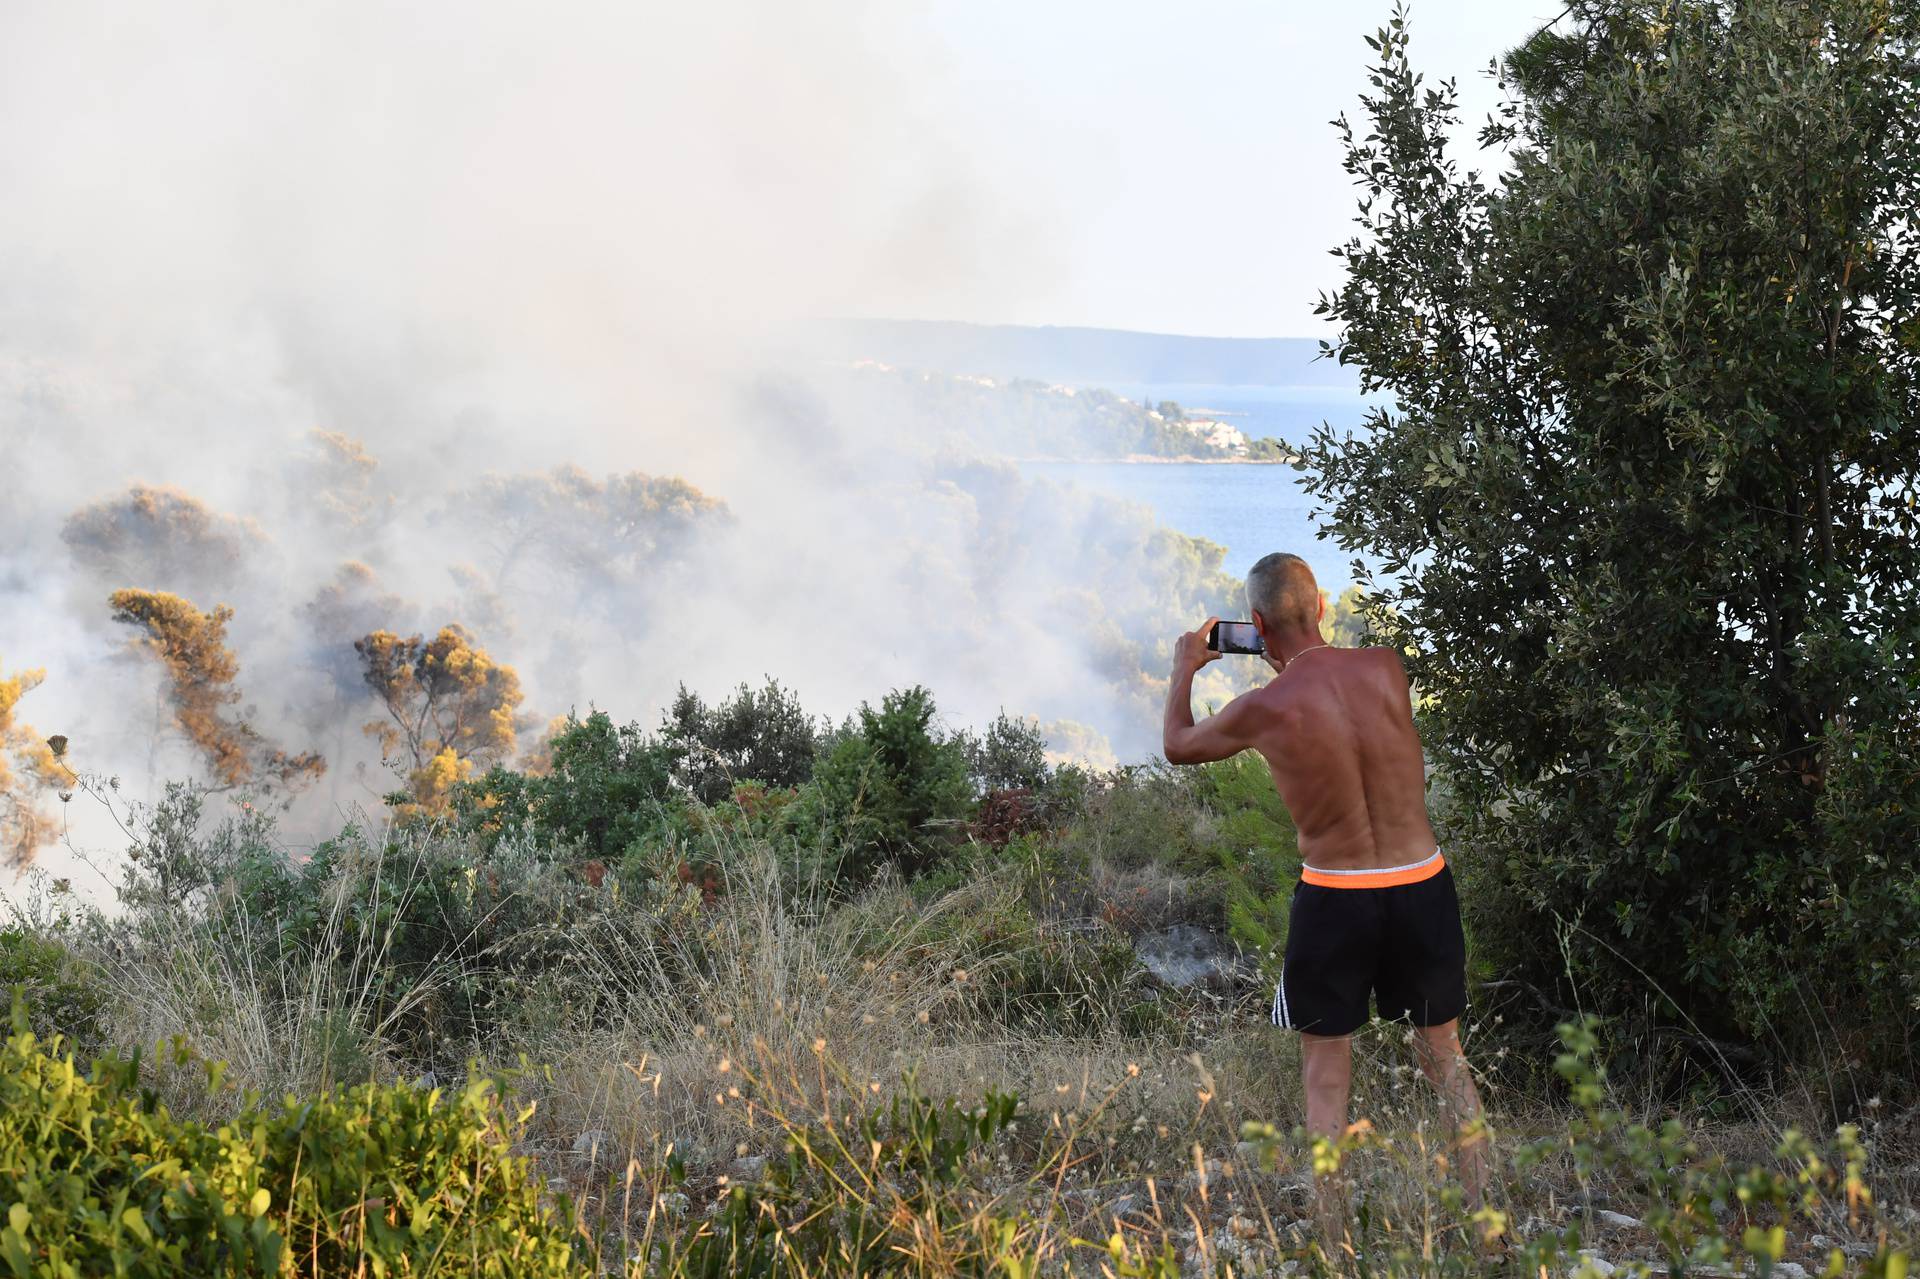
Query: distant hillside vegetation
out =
(1020, 417)
(1079, 357)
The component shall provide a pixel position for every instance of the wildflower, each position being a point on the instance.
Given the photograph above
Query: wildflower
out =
(922, 1017)
(819, 1046)
(726, 1064)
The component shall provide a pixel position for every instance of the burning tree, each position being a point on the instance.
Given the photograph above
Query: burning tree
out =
(338, 480)
(161, 537)
(30, 770)
(450, 709)
(597, 531)
(201, 672)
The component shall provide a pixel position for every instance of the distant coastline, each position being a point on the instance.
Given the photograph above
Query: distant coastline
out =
(1154, 459)
(1078, 356)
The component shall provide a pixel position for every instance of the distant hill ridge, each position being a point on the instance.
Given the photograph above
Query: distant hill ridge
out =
(1081, 356)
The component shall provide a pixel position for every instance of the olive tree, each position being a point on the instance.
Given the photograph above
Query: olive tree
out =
(1645, 498)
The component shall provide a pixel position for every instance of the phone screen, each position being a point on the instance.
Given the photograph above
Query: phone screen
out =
(1235, 637)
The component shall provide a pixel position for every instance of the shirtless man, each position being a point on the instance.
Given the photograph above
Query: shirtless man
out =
(1374, 915)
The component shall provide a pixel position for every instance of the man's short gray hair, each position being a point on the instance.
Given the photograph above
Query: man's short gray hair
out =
(1282, 590)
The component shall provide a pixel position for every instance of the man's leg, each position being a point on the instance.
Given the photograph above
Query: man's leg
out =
(1326, 1067)
(1445, 1065)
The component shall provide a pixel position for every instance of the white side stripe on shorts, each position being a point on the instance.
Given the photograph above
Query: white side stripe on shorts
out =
(1280, 1017)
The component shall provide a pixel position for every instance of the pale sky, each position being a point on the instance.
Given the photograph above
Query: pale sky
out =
(1178, 156)
(628, 171)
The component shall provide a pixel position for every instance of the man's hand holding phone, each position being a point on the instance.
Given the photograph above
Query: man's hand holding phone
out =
(1190, 651)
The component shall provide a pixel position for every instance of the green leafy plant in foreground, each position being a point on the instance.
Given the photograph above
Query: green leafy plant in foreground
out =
(98, 1178)
(1701, 1211)
(885, 1194)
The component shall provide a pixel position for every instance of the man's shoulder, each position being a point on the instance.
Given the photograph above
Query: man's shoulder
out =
(1380, 663)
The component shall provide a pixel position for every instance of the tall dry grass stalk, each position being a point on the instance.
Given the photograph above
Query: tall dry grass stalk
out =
(284, 1018)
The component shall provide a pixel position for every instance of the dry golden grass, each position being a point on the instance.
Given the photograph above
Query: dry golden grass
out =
(753, 1021)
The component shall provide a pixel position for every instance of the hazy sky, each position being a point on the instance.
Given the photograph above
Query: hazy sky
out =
(1176, 160)
(1127, 163)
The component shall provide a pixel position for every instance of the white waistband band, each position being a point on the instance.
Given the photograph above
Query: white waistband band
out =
(1377, 870)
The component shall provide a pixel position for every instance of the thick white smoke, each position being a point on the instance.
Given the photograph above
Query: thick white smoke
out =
(482, 240)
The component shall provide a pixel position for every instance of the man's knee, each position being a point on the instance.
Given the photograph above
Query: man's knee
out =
(1439, 1047)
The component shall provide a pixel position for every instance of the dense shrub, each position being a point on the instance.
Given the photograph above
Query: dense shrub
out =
(1010, 755)
(418, 945)
(63, 992)
(1644, 499)
(100, 1179)
(753, 736)
(604, 790)
(892, 789)
(1256, 849)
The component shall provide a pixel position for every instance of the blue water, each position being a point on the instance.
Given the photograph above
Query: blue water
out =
(1249, 509)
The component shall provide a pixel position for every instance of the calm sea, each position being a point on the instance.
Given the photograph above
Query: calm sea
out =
(1250, 510)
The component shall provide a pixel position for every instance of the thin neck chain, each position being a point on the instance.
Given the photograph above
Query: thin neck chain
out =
(1302, 653)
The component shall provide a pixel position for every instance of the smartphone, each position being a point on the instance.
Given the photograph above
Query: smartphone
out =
(1235, 637)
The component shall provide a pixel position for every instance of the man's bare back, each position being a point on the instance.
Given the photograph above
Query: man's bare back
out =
(1336, 729)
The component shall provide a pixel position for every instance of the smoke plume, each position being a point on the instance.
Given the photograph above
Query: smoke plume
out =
(358, 320)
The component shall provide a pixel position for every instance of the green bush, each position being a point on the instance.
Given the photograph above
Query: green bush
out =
(1010, 755)
(1035, 973)
(99, 1179)
(607, 788)
(62, 991)
(444, 943)
(891, 789)
(754, 736)
(1258, 851)
(1642, 498)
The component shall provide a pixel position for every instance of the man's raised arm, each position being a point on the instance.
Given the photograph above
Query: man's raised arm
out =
(1217, 736)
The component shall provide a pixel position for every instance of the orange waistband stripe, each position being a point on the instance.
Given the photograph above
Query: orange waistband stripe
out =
(1378, 877)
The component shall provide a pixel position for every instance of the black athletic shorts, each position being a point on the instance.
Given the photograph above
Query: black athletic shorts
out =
(1400, 944)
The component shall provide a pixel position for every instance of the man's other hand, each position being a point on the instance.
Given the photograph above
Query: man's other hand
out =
(1190, 651)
